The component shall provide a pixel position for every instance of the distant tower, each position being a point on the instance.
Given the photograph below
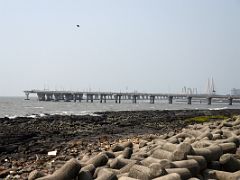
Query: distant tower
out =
(213, 87)
(210, 87)
(184, 90)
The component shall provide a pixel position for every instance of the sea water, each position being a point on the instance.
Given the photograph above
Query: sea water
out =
(17, 106)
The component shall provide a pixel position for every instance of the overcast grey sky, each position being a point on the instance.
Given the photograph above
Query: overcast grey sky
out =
(144, 45)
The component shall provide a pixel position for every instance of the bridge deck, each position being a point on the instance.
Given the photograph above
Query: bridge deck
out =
(46, 95)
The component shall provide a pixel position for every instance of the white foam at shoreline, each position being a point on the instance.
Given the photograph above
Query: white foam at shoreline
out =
(211, 109)
(11, 117)
(34, 107)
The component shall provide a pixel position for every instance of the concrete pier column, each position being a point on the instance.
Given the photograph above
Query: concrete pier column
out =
(134, 99)
(56, 97)
(170, 99)
(49, 97)
(152, 99)
(87, 97)
(230, 101)
(27, 95)
(129, 97)
(189, 100)
(116, 98)
(101, 98)
(68, 97)
(91, 97)
(75, 97)
(105, 98)
(80, 97)
(119, 98)
(41, 96)
(209, 100)
(61, 96)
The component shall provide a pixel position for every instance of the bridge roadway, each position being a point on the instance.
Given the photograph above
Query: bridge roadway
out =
(67, 96)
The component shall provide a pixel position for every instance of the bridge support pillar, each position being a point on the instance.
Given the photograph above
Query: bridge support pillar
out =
(68, 97)
(230, 101)
(91, 98)
(88, 97)
(49, 97)
(119, 99)
(75, 97)
(134, 99)
(27, 95)
(170, 99)
(209, 100)
(41, 96)
(57, 97)
(152, 98)
(103, 97)
(189, 100)
(80, 97)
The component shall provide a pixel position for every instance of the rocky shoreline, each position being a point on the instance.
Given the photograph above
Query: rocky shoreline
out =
(25, 142)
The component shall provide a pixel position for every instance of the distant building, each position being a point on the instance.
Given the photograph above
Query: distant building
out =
(235, 91)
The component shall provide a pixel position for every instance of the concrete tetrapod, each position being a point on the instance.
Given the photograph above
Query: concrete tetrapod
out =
(178, 154)
(228, 147)
(230, 163)
(122, 146)
(183, 172)
(156, 170)
(127, 152)
(185, 148)
(140, 172)
(98, 160)
(90, 168)
(106, 174)
(210, 153)
(36, 174)
(69, 170)
(192, 165)
(165, 163)
(126, 178)
(145, 173)
(128, 166)
(85, 175)
(200, 159)
(221, 175)
(172, 176)
(215, 165)
(119, 163)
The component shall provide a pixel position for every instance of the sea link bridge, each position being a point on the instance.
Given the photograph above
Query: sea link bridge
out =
(67, 96)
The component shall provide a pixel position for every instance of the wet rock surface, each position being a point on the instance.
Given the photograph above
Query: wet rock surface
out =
(25, 143)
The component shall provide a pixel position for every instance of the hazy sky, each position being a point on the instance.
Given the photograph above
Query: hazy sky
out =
(144, 45)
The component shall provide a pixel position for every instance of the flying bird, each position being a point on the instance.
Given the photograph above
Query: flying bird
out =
(78, 25)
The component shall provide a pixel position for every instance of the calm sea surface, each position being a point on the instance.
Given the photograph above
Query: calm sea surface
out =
(17, 106)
